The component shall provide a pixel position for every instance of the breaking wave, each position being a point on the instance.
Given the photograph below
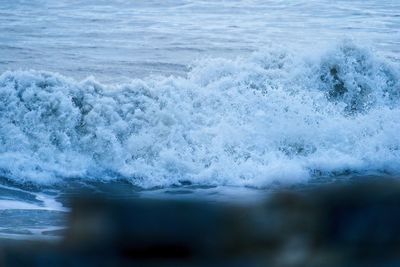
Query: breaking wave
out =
(276, 116)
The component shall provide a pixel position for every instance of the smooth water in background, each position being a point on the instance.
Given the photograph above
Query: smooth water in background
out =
(191, 97)
(116, 41)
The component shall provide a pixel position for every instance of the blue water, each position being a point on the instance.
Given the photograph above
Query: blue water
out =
(196, 97)
(119, 40)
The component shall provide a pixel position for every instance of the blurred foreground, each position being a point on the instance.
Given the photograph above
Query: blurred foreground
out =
(356, 224)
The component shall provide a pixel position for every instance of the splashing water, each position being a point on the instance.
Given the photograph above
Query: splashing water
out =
(276, 116)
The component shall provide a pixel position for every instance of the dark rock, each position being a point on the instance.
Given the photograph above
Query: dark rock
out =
(353, 224)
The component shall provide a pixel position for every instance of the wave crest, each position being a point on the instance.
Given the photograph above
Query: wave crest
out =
(274, 117)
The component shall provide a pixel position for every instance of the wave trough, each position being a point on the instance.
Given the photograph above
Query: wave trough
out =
(276, 116)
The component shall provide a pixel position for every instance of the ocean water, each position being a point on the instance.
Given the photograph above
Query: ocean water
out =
(191, 98)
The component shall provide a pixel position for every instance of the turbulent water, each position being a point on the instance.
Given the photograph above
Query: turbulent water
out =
(200, 94)
(269, 117)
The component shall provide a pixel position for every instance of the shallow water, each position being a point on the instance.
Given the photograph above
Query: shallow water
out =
(263, 94)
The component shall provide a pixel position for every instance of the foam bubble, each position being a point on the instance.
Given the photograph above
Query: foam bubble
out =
(277, 116)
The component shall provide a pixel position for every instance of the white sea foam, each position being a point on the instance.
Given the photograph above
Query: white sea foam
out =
(277, 116)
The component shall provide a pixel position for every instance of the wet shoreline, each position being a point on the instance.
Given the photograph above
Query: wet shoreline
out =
(336, 224)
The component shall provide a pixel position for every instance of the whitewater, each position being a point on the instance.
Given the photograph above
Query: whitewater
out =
(273, 116)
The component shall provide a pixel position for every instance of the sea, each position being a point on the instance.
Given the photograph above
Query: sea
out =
(224, 100)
